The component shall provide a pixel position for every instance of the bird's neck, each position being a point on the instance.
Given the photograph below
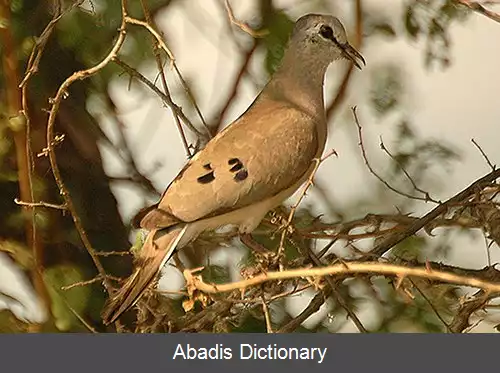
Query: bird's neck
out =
(299, 81)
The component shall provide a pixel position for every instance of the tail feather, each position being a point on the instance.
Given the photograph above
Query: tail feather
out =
(156, 251)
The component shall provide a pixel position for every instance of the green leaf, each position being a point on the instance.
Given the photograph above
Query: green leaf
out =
(280, 27)
(66, 303)
(409, 249)
(138, 243)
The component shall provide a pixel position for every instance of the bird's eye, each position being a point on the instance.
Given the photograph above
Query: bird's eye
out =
(326, 32)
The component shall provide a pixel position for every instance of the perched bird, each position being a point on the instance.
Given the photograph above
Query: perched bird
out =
(251, 166)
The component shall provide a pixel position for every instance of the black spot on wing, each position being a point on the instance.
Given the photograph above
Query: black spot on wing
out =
(207, 178)
(241, 175)
(236, 163)
(238, 168)
(207, 166)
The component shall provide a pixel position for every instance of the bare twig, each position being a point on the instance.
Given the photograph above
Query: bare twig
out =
(341, 230)
(370, 168)
(492, 166)
(97, 278)
(113, 253)
(429, 302)
(350, 236)
(153, 32)
(82, 283)
(124, 151)
(478, 8)
(80, 317)
(70, 307)
(40, 204)
(41, 41)
(296, 290)
(190, 96)
(242, 25)
(166, 98)
(163, 46)
(338, 296)
(317, 162)
(267, 317)
(408, 176)
(313, 307)
(159, 65)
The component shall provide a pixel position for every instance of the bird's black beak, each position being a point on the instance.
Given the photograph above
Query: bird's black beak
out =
(353, 55)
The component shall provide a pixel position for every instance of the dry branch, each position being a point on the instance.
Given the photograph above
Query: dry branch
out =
(373, 268)
(477, 7)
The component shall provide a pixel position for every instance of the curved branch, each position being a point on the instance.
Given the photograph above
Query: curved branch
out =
(56, 102)
(374, 268)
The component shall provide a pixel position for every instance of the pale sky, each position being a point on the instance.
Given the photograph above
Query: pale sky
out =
(455, 105)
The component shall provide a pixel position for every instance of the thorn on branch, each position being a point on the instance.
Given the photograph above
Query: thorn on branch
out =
(57, 140)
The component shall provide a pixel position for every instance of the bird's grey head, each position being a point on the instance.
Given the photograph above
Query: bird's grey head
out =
(324, 36)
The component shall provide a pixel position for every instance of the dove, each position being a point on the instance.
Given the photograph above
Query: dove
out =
(251, 166)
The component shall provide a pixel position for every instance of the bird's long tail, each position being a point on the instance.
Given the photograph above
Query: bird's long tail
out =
(156, 251)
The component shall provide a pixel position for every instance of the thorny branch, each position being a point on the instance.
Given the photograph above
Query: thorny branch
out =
(393, 239)
(372, 268)
(405, 226)
(56, 102)
(467, 308)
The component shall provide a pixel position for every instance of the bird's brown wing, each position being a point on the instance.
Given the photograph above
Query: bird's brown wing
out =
(264, 152)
